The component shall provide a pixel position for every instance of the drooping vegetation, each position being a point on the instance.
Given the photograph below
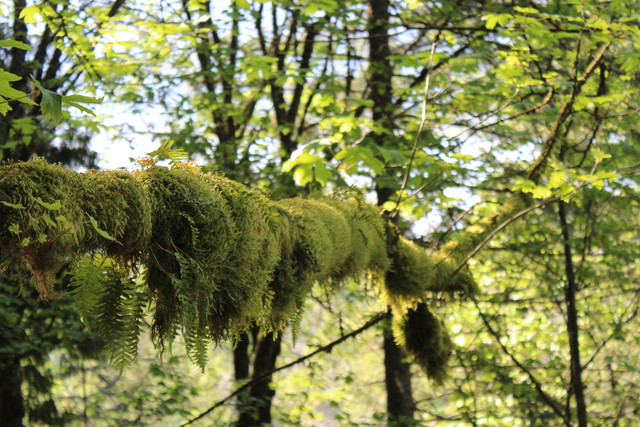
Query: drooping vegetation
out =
(216, 256)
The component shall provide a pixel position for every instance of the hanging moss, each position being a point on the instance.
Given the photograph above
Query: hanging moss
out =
(192, 235)
(251, 259)
(289, 285)
(425, 339)
(410, 275)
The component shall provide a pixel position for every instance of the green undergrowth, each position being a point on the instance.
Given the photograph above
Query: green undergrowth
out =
(210, 256)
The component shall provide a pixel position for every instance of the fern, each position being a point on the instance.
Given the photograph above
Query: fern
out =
(194, 300)
(87, 282)
(118, 315)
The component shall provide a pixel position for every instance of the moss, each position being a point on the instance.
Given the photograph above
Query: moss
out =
(120, 205)
(333, 241)
(446, 279)
(211, 232)
(289, 285)
(425, 339)
(252, 257)
(62, 229)
(324, 235)
(192, 235)
(368, 237)
(410, 275)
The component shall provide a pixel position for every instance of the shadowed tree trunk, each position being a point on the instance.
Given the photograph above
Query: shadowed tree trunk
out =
(400, 404)
(397, 379)
(255, 409)
(11, 403)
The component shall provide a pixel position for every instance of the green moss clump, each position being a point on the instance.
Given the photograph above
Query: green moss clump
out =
(120, 205)
(324, 236)
(45, 237)
(211, 244)
(251, 259)
(410, 275)
(445, 278)
(425, 339)
(368, 237)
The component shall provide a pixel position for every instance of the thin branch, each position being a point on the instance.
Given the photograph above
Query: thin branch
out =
(420, 129)
(550, 401)
(324, 349)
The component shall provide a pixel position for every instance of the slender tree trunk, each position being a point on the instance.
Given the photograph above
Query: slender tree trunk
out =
(400, 403)
(571, 288)
(11, 402)
(260, 395)
(397, 381)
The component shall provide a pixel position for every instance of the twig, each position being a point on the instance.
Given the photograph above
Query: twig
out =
(423, 120)
(324, 349)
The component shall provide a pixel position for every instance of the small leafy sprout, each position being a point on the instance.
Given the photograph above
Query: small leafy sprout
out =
(178, 158)
(100, 231)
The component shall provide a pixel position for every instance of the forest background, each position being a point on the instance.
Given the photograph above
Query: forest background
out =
(438, 110)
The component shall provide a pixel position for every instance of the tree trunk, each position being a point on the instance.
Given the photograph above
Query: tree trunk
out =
(11, 403)
(400, 405)
(257, 408)
(571, 288)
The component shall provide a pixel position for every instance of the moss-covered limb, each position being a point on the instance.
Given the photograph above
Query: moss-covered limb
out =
(465, 243)
(425, 339)
(218, 256)
(208, 231)
(121, 206)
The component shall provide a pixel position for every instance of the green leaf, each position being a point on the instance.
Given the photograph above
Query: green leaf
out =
(51, 104)
(80, 107)
(557, 179)
(82, 98)
(599, 155)
(50, 206)
(13, 205)
(11, 94)
(29, 14)
(14, 228)
(100, 231)
(14, 43)
(540, 192)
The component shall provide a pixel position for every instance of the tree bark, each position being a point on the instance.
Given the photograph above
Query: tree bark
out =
(571, 288)
(257, 410)
(400, 405)
(12, 409)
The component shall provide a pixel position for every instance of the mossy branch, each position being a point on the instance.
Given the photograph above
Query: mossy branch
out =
(216, 256)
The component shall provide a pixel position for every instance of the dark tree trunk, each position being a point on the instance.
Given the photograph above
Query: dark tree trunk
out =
(11, 403)
(571, 288)
(400, 404)
(256, 408)
(397, 380)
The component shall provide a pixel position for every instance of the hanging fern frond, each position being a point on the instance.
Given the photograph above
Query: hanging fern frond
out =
(118, 316)
(88, 279)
